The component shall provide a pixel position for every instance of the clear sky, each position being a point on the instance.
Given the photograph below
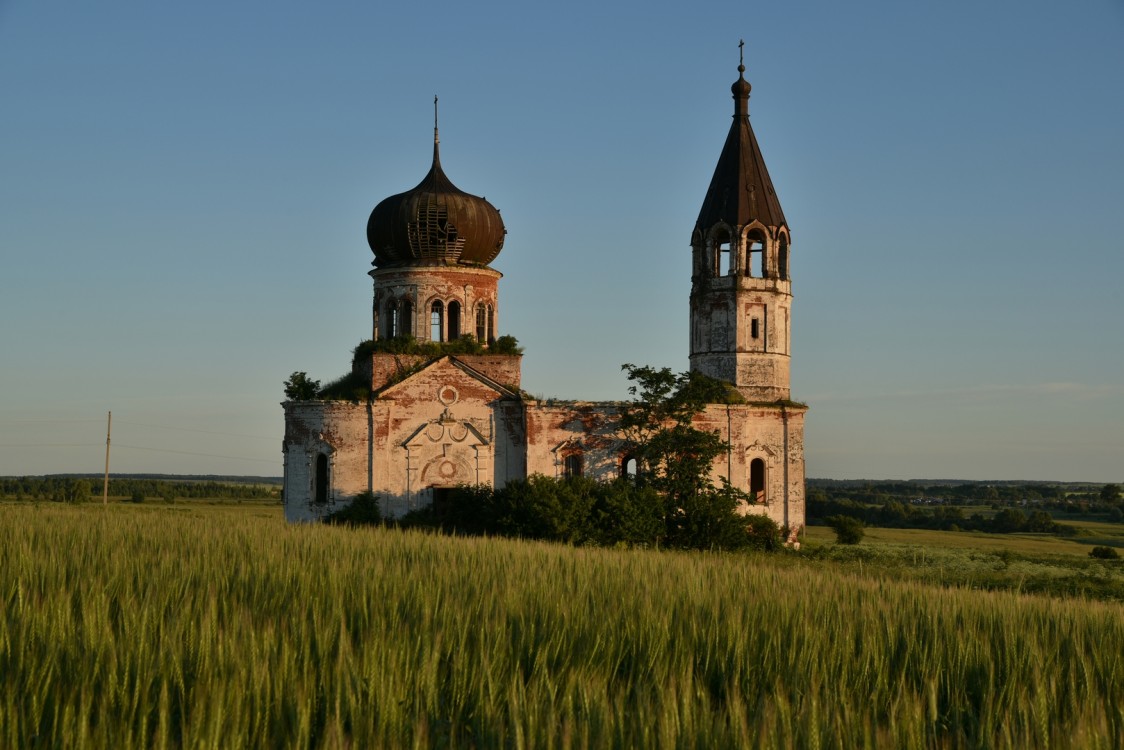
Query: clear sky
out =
(184, 190)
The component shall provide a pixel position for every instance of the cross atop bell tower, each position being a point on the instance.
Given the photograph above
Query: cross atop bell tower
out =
(741, 293)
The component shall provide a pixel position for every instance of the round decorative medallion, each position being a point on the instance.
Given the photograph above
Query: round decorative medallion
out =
(447, 469)
(447, 395)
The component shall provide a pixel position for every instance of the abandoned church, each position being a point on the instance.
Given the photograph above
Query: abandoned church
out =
(429, 422)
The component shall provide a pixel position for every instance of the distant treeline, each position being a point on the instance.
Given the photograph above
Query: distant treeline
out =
(77, 489)
(1056, 495)
(922, 505)
(894, 514)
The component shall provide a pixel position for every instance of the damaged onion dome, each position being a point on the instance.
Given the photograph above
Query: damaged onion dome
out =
(436, 223)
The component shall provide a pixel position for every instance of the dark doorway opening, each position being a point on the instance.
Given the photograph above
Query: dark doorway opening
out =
(757, 480)
(321, 493)
(442, 498)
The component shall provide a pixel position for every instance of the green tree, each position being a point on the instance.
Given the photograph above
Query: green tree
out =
(363, 511)
(675, 458)
(627, 513)
(299, 387)
(658, 424)
(74, 491)
(1110, 493)
(544, 508)
(505, 344)
(893, 513)
(1008, 520)
(848, 530)
(764, 533)
(1041, 521)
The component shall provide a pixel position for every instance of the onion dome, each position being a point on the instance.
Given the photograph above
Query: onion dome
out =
(740, 191)
(435, 223)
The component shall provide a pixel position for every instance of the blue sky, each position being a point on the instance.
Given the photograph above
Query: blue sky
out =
(184, 191)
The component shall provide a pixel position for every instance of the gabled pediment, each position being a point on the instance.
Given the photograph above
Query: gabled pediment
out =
(444, 379)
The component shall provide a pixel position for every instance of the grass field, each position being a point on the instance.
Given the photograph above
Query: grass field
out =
(222, 626)
(1093, 532)
(1020, 563)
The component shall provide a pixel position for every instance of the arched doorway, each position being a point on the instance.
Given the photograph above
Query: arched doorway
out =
(321, 483)
(757, 480)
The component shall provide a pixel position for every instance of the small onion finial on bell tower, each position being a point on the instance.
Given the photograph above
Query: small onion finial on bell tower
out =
(741, 87)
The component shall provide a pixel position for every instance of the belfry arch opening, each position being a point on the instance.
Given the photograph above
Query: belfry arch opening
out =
(722, 257)
(782, 258)
(755, 255)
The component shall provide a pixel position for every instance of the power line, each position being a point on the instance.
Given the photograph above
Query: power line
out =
(193, 453)
(133, 447)
(189, 429)
(140, 447)
(47, 421)
(137, 424)
(48, 445)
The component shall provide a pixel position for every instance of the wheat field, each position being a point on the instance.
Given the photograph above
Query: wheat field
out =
(158, 627)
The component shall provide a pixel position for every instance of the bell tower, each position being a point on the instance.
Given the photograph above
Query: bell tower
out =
(741, 292)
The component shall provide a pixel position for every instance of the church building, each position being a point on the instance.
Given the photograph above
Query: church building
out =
(426, 423)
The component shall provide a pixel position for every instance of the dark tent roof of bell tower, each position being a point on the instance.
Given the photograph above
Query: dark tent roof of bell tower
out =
(741, 191)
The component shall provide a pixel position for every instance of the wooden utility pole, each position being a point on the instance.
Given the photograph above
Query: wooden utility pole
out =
(105, 485)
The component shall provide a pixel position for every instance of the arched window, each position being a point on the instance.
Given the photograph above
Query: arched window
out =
(491, 325)
(391, 324)
(629, 467)
(406, 319)
(436, 321)
(320, 481)
(454, 321)
(572, 465)
(755, 255)
(757, 480)
(481, 323)
(782, 258)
